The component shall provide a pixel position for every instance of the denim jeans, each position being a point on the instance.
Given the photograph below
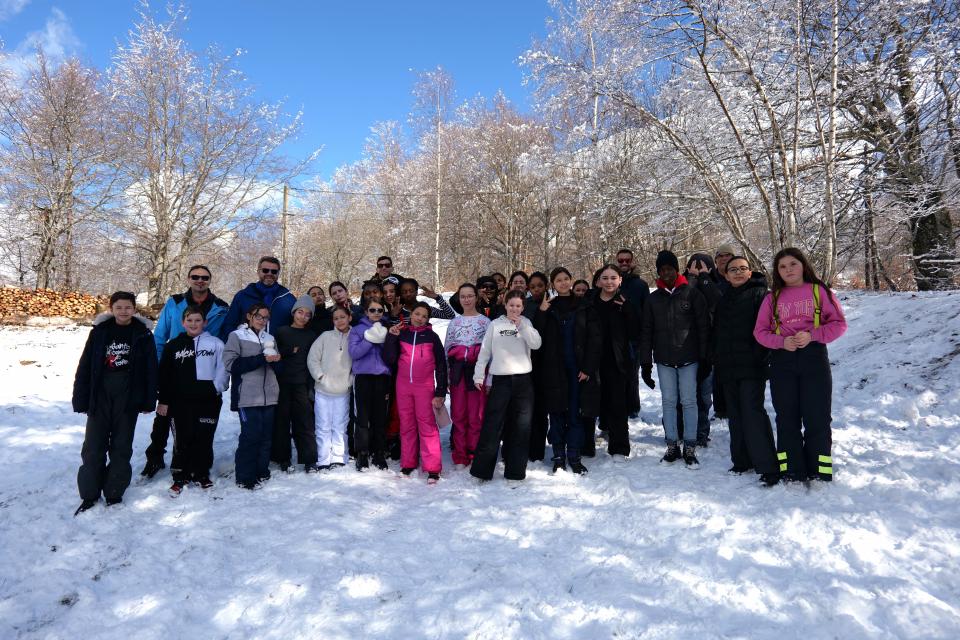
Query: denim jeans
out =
(678, 382)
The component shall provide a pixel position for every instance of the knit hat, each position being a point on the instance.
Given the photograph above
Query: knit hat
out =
(377, 333)
(304, 302)
(667, 258)
(725, 248)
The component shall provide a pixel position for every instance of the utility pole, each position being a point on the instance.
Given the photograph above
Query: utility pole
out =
(283, 226)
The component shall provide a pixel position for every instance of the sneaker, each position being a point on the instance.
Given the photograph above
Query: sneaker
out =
(335, 465)
(175, 489)
(433, 478)
(770, 479)
(152, 467)
(285, 466)
(407, 471)
(738, 470)
(672, 454)
(379, 461)
(86, 505)
(690, 457)
(205, 483)
(113, 501)
(577, 467)
(559, 464)
(619, 458)
(363, 462)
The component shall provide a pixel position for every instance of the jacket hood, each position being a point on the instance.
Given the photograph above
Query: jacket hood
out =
(681, 280)
(705, 258)
(106, 315)
(756, 280)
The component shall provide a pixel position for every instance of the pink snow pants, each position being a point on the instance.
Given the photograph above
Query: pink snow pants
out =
(419, 435)
(466, 408)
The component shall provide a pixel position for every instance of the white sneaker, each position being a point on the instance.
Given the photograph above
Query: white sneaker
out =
(619, 458)
(460, 467)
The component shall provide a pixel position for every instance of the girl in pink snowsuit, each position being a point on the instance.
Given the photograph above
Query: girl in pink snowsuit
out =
(418, 354)
(464, 337)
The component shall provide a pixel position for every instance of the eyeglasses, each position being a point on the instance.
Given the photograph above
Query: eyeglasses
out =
(372, 310)
(737, 269)
(260, 316)
(201, 278)
(271, 272)
(383, 265)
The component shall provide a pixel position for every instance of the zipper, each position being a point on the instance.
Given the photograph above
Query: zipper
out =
(413, 355)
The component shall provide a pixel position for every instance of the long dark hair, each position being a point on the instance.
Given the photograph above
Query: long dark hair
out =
(809, 275)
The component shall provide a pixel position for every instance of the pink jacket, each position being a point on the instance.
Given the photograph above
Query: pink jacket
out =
(796, 309)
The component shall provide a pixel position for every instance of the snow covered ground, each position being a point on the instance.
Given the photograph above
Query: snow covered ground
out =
(629, 551)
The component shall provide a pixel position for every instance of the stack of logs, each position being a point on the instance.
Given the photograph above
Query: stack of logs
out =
(16, 304)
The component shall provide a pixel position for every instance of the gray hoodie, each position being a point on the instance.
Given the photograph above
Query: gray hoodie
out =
(254, 381)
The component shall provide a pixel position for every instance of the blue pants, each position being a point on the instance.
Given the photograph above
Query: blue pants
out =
(253, 450)
(678, 383)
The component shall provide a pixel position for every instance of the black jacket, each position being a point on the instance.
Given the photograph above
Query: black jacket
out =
(736, 354)
(587, 345)
(636, 290)
(675, 328)
(143, 368)
(621, 328)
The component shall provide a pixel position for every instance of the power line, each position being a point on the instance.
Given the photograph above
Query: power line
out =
(432, 194)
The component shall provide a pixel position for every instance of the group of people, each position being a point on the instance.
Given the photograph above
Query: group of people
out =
(527, 360)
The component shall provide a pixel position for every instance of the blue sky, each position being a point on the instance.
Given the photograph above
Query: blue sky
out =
(347, 64)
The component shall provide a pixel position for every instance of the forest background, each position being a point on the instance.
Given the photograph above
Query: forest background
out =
(827, 125)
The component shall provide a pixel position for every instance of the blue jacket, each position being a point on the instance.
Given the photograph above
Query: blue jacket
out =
(281, 309)
(367, 356)
(170, 322)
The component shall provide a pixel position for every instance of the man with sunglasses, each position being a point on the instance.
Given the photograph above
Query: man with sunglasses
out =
(385, 271)
(266, 290)
(169, 326)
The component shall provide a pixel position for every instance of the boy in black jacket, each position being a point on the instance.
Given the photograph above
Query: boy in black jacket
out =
(192, 377)
(116, 378)
(674, 334)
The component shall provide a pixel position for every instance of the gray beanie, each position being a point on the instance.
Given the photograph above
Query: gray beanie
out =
(304, 302)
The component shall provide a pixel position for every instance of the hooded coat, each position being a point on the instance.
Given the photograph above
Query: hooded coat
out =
(143, 367)
(587, 349)
(736, 354)
(676, 326)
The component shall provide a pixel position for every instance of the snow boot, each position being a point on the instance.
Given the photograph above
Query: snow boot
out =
(379, 461)
(738, 470)
(690, 457)
(394, 446)
(84, 506)
(433, 478)
(559, 464)
(363, 462)
(152, 467)
(577, 467)
(770, 479)
(113, 501)
(408, 471)
(672, 454)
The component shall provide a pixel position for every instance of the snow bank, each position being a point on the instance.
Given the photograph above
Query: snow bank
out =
(631, 550)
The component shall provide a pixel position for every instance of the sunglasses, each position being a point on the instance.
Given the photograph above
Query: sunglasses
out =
(200, 278)
(383, 265)
(373, 310)
(271, 272)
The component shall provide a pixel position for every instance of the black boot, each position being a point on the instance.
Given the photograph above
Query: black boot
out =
(379, 461)
(84, 506)
(152, 467)
(559, 464)
(577, 467)
(770, 479)
(672, 454)
(363, 462)
(690, 457)
(112, 501)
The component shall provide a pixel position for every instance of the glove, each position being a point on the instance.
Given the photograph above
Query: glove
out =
(703, 370)
(646, 372)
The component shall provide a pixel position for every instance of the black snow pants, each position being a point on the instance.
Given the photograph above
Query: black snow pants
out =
(506, 417)
(109, 432)
(801, 388)
(615, 394)
(371, 402)
(158, 438)
(751, 437)
(194, 424)
(294, 416)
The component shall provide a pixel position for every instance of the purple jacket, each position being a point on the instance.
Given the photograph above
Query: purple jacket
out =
(367, 356)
